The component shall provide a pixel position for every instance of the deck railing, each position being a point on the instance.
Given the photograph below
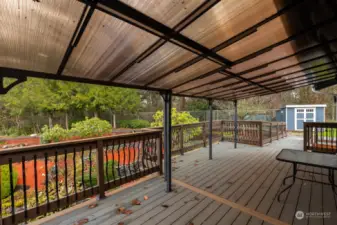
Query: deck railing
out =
(55, 176)
(320, 137)
(191, 136)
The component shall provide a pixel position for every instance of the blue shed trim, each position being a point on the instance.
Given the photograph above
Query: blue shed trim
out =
(320, 117)
(290, 118)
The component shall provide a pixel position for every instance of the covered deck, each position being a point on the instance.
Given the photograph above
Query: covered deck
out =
(239, 186)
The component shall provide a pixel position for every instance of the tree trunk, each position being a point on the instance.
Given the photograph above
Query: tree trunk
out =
(112, 118)
(96, 114)
(182, 103)
(50, 120)
(67, 121)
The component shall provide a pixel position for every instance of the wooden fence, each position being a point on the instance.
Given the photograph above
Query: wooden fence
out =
(320, 137)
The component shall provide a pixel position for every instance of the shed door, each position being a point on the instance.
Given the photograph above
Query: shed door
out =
(304, 115)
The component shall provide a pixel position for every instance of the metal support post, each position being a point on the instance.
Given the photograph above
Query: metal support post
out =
(210, 128)
(235, 123)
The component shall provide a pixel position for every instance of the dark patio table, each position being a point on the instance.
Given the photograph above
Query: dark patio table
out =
(320, 160)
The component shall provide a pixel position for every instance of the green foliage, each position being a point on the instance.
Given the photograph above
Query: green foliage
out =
(197, 105)
(110, 176)
(91, 128)
(5, 180)
(177, 118)
(54, 134)
(135, 124)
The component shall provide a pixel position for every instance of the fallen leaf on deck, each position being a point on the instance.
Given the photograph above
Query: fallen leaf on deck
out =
(165, 206)
(196, 161)
(190, 223)
(146, 197)
(135, 202)
(121, 223)
(146, 187)
(181, 160)
(121, 210)
(209, 186)
(92, 206)
(128, 212)
(196, 198)
(195, 164)
(82, 221)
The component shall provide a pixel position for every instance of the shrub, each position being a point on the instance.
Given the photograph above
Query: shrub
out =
(178, 118)
(55, 134)
(5, 181)
(86, 176)
(92, 127)
(135, 124)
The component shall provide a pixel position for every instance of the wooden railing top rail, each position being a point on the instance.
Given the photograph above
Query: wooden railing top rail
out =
(321, 123)
(77, 142)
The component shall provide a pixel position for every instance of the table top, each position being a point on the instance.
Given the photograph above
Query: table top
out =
(322, 160)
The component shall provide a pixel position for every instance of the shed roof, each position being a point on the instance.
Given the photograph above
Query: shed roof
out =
(305, 106)
(215, 49)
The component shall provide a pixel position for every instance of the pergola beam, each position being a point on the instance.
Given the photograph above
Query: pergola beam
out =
(230, 41)
(268, 48)
(203, 8)
(134, 17)
(263, 66)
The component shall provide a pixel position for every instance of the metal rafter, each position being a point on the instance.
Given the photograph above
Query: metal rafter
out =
(269, 48)
(203, 8)
(78, 32)
(265, 65)
(134, 17)
(230, 41)
(256, 77)
(308, 80)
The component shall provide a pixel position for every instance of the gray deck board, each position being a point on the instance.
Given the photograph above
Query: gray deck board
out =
(248, 175)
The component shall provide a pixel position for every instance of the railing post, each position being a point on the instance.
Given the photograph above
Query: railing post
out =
(222, 130)
(160, 153)
(204, 134)
(261, 133)
(277, 130)
(270, 132)
(181, 140)
(100, 169)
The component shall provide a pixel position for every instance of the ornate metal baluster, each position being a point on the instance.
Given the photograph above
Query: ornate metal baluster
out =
(57, 180)
(66, 175)
(46, 179)
(24, 186)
